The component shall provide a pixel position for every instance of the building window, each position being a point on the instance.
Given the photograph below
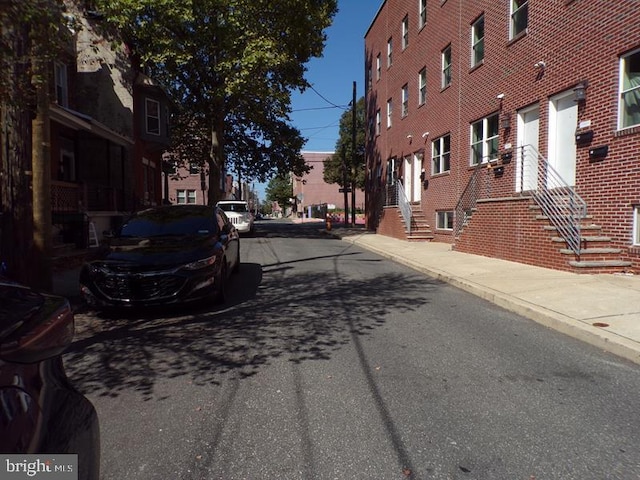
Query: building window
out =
(636, 225)
(405, 32)
(477, 41)
(378, 67)
(378, 122)
(389, 112)
(389, 52)
(446, 67)
(194, 168)
(484, 140)
(392, 175)
(440, 155)
(630, 90)
(422, 13)
(184, 197)
(444, 220)
(519, 16)
(405, 100)
(153, 116)
(62, 87)
(422, 86)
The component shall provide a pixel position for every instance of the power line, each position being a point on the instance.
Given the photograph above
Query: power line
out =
(328, 101)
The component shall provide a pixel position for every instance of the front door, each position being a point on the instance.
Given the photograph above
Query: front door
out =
(563, 121)
(527, 155)
(412, 169)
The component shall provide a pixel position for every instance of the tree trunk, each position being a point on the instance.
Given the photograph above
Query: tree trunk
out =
(217, 158)
(41, 167)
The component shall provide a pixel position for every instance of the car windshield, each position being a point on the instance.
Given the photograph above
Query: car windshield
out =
(234, 207)
(170, 222)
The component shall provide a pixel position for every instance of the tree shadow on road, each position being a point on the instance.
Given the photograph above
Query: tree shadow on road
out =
(273, 313)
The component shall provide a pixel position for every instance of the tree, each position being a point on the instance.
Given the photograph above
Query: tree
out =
(232, 78)
(280, 189)
(333, 168)
(32, 34)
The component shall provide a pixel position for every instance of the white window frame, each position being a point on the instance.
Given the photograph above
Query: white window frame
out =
(440, 155)
(444, 220)
(477, 42)
(484, 140)
(636, 225)
(378, 122)
(389, 52)
(62, 85)
(405, 32)
(152, 118)
(629, 88)
(422, 86)
(192, 197)
(517, 8)
(405, 100)
(389, 112)
(181, 196)
(422, 13)
(378, 67)
(446, 66)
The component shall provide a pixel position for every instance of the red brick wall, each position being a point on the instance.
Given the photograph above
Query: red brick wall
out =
(577, 40)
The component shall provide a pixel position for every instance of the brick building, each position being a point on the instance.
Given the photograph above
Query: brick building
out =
(311, 191)
(509, 129)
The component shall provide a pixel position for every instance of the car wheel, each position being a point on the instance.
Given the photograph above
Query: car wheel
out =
(221, 290)
(236, 266)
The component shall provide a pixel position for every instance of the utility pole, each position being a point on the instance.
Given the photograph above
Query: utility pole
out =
(345, 188)
(353, 157)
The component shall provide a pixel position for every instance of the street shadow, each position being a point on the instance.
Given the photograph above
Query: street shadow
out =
(271, 314)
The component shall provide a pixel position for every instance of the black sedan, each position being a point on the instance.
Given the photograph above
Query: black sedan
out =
(165, 255)
(41, 413)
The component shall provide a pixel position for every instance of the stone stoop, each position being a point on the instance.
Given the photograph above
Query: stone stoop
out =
(420, 228)
(596, 253)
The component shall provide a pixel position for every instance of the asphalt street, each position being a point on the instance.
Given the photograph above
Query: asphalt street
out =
(332, 362)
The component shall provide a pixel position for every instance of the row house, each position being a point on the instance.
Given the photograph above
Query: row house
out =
(508, 129)
(109, 130)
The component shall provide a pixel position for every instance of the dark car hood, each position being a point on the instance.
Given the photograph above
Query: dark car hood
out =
(17, 304)
(160, 251)
(20, 305)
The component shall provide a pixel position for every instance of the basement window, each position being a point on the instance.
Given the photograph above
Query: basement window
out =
(444, 220)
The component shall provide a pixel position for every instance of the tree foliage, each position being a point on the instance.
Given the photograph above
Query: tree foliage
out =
(230, 66)
(280, 189)
(355, 163)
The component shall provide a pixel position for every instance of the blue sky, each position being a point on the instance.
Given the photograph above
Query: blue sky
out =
(314, 112)
(332, 75)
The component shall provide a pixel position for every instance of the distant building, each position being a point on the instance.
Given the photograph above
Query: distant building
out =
(312, 193)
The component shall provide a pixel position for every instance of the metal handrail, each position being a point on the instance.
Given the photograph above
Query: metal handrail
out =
(405, 206)
(558, 200)
(396, 197)
(469, 198)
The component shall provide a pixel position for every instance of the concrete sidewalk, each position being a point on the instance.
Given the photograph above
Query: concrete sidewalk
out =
(602, 310)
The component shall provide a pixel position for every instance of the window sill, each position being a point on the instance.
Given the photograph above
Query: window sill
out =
(518, 37)
(476, 66)
(627, 131)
